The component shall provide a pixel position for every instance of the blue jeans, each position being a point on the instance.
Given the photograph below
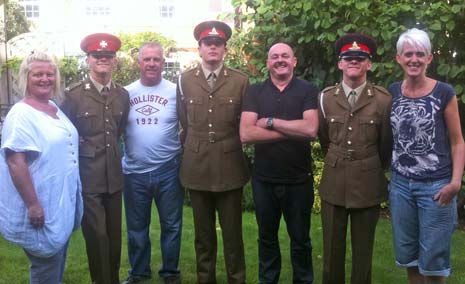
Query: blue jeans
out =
(47, 270)
(162, 186)
(294, 202)
(422, 229)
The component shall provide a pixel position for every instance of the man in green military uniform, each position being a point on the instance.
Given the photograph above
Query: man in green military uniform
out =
(213, 167)
(355, 135)
(99, 108)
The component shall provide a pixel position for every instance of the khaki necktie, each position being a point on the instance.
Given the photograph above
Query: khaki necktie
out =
(211, 79)
(352, 98)
(105, 91)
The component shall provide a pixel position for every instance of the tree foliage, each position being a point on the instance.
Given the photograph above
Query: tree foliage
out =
(312, 27)
(132, 42)
(16, 22)
(127, 70)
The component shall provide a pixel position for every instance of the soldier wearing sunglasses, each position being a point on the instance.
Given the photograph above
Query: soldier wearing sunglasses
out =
(355, 136)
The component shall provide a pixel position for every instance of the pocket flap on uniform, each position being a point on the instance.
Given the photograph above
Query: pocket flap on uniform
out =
(194, 100)
(368, 120)
(331, 160)
(86, 113)
(231, 100)
(231, 145)
(87, 150)
(335, 119)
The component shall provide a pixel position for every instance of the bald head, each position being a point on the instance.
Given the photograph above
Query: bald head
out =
(281, 62)
(280, 46)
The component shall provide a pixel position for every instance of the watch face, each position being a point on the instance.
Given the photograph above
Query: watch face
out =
(269, 123)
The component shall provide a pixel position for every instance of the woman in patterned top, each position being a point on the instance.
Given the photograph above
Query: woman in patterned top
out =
(427, 164)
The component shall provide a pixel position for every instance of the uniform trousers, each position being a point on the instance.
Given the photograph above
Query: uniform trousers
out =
(335, 221)
(229, 207)
(101, 227)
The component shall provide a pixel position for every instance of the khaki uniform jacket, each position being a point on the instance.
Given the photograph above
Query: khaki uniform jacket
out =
(212, 159)
(357, 145)
(100, 122)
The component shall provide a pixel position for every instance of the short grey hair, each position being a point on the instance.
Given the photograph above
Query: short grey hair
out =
(414, 37)
(153, 45)
(25, 68)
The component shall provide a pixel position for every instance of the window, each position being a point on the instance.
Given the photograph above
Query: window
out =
(96, 8)
(166, 8)
(31, 8)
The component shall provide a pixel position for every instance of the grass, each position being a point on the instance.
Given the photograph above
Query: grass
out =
(14, 267)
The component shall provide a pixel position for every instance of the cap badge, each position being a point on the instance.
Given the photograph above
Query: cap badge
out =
(87, 87)
(213, 32)
(103, 44)
(355, 46)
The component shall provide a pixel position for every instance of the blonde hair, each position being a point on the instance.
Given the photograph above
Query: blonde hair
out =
(25, 68)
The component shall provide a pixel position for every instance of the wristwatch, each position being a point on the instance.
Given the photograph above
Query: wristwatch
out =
(269, 123)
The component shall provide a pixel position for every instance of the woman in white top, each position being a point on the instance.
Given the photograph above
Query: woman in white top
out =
(40, 200)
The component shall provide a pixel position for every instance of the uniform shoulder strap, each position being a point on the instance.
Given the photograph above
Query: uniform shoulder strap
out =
(181, 92)
(382, 90)
(322, 94)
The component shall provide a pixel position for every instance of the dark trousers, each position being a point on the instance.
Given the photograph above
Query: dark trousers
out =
(362, 228)
(229, 207)
(294, 202)
(101, 227)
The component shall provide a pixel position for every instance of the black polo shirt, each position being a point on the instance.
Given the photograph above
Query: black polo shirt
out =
(287, 161)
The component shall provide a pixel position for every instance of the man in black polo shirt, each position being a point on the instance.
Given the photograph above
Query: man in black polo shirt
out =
(280, 116)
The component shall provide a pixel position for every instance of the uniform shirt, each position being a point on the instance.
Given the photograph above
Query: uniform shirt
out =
(287, 161)
(151, 137)
(52, 150)
(421, 141)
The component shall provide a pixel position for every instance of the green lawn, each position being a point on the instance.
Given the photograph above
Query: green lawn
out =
(14, 264)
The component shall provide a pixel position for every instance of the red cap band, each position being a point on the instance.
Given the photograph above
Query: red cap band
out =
(212, 33)
(355, 47)
(100, 42)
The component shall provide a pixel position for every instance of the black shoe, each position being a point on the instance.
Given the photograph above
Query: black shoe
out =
(172, 280)
(135, 279)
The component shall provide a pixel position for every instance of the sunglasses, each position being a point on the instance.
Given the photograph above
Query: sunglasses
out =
(101, 56)
(352, 58)
(213, 41)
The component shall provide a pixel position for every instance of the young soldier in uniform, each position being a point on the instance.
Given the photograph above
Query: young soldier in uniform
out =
(213, 166)
(99, 109)
(356, 138)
